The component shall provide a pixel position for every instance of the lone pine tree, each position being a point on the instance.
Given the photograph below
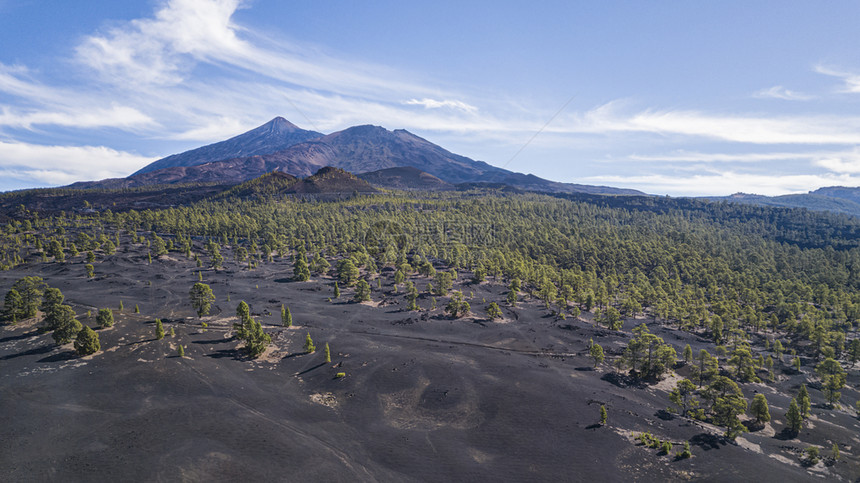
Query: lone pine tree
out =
(201, 298)
(87, 342)
(309, 344)
(105, 318)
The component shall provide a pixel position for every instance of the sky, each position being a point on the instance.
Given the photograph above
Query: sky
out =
(672, 98)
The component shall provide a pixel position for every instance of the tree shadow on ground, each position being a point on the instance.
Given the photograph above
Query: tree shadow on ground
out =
(708, 441)
(594, 426)
(19, 337)
(664, 415)
(312, 368)
(584, 368)
(226, 353)
(785, 435)
(211, 341)
(294, 354)
(60, 357)
(623, 380)
(31, 352)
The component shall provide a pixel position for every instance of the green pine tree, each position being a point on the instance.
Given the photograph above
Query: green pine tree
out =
(87, 342)
(159, 329)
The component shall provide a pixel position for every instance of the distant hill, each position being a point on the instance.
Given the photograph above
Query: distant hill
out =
(835, 199)
(281, 146)
(271, 137)
(327, 180)
(405, 178)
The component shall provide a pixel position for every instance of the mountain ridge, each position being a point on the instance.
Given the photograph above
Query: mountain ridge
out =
(270, 137)
(357, 149)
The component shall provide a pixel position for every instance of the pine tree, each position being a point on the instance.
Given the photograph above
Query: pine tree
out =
(201, 298)
(136, 309)
(759, 409)
(602, 414)
(105, 318)
(803, 402)
(159, 329)
(181, 351)
(301, 272)
(284, 316)
(13, 307)
(833, 378)
(688, 354)
(596, 353)
(121, 306)
(87, 342)
(327, 353)
(411, 296)
(512, 298)
(90, 270)
(362, 291)
(794, 419)
(309, 344)
(336, 291)
(66, 326)
(493, 311)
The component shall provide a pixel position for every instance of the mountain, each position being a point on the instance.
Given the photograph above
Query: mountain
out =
(281, 146)
(835, 199)
(271, 137)
(405, 178)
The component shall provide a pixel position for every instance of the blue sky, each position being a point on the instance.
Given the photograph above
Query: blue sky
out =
(673, 97)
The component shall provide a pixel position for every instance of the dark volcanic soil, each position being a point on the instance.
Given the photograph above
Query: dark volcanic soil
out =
(424, 397)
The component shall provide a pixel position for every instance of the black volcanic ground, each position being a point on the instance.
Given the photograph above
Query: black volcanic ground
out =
(424, 398)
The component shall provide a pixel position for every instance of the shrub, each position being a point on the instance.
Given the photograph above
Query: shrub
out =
(340, 375)
(810, 456)
(666, 447)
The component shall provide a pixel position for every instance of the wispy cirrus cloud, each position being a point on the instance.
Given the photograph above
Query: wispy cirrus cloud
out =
(850, 80)
(114, 116)
(800, 129)
(780, 92)
(436, 104)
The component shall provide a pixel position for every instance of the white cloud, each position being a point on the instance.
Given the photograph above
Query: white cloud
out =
(847, 162)
(813, 129)
(724, 184)
(150, 51)
(844, 159)
(851, 80)
(434, 104)
(53, 165)
(780, 92)
(116, 116)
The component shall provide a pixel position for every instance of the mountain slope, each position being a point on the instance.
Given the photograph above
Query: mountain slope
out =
(271, 137)
(363, 149)
(405, 178)
(326, 181)
(835, 199)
